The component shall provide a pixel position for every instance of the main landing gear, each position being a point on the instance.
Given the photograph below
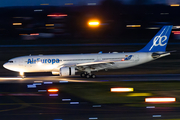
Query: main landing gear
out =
(87, 75)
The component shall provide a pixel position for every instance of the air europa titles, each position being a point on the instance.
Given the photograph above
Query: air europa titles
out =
(37, 60)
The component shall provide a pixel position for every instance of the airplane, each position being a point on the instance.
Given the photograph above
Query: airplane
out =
(69, 64)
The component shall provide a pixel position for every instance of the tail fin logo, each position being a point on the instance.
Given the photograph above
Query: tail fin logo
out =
(159, 41)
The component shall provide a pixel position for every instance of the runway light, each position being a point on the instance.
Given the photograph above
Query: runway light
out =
(174, 5)
(156, 116)
(17, 23)
(53, 95)
(139, 94)
(49, 25)
(53, 90)
(48, 82)
(57, 15)
(122, 89)
(159, 100)
(74, 103)
(94, 23)
(133, 25)
(66, 99)
(34, 34)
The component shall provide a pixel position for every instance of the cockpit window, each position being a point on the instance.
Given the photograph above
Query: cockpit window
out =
(10, 61)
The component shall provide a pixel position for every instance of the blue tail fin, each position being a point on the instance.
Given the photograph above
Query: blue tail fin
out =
(159, 42)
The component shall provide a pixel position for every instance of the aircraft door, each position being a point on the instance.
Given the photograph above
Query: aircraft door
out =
(136, 57)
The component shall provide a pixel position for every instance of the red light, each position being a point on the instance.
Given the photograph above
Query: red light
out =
(57, 15)
(122, 59)
(176, 32)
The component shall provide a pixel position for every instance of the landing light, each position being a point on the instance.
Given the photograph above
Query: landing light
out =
(122, 89)
(160, 100)
(53, 90)
(94, 23)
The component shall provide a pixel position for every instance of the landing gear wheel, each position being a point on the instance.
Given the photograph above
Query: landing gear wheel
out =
(87, 76)
(93, 76)
(83, 75)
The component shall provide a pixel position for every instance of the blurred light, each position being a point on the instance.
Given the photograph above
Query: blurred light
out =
(23, 34)
(122, 59)
(68, 3)
(53, 90)
(133, 25)
(66, 99)
(39, 10)
(152, 28)
(48, 82)
(91, 4)
(122, 89)
(21, 73)
(42, 90)
(63, 81)
(57, 15)
(24, 94)
(53, 94)
(45, 4)
(164, 13)
(176, 27)
(17, 23)
(139, 94)
(39, 63)
(74, 102)
(176, 32)
(160, 99)
(38, 81)
(31, 86)
(96, 106)
(150, 107)
(34, 34)
(94, 23)
(174, 5)
(49, 25)
(156, 116)
(93, 118)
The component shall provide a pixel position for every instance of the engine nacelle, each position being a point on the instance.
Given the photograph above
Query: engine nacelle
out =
(67, 71)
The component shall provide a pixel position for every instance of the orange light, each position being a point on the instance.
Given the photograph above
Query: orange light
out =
(53, 90)
(174, 5)
(160, 100)
(34, 34)
(122, 59)
(122, 89)
(133, 25)
(17, 23)
(94, 23)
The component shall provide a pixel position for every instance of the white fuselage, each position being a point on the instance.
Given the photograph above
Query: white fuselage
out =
(49, 63)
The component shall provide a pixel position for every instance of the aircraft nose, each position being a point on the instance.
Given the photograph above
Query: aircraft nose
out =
(5, 65)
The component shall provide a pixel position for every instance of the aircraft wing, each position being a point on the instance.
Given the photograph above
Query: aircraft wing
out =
(127, 59)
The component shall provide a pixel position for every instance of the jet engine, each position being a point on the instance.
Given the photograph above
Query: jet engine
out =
(67, 71)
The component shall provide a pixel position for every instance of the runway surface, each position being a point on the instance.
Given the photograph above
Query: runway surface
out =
(100, 78)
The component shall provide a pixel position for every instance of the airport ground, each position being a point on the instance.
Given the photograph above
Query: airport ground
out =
(83, 99)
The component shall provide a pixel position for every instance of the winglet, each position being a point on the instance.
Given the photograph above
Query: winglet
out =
(159, 42)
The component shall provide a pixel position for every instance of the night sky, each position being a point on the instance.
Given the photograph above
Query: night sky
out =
(5, 3)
